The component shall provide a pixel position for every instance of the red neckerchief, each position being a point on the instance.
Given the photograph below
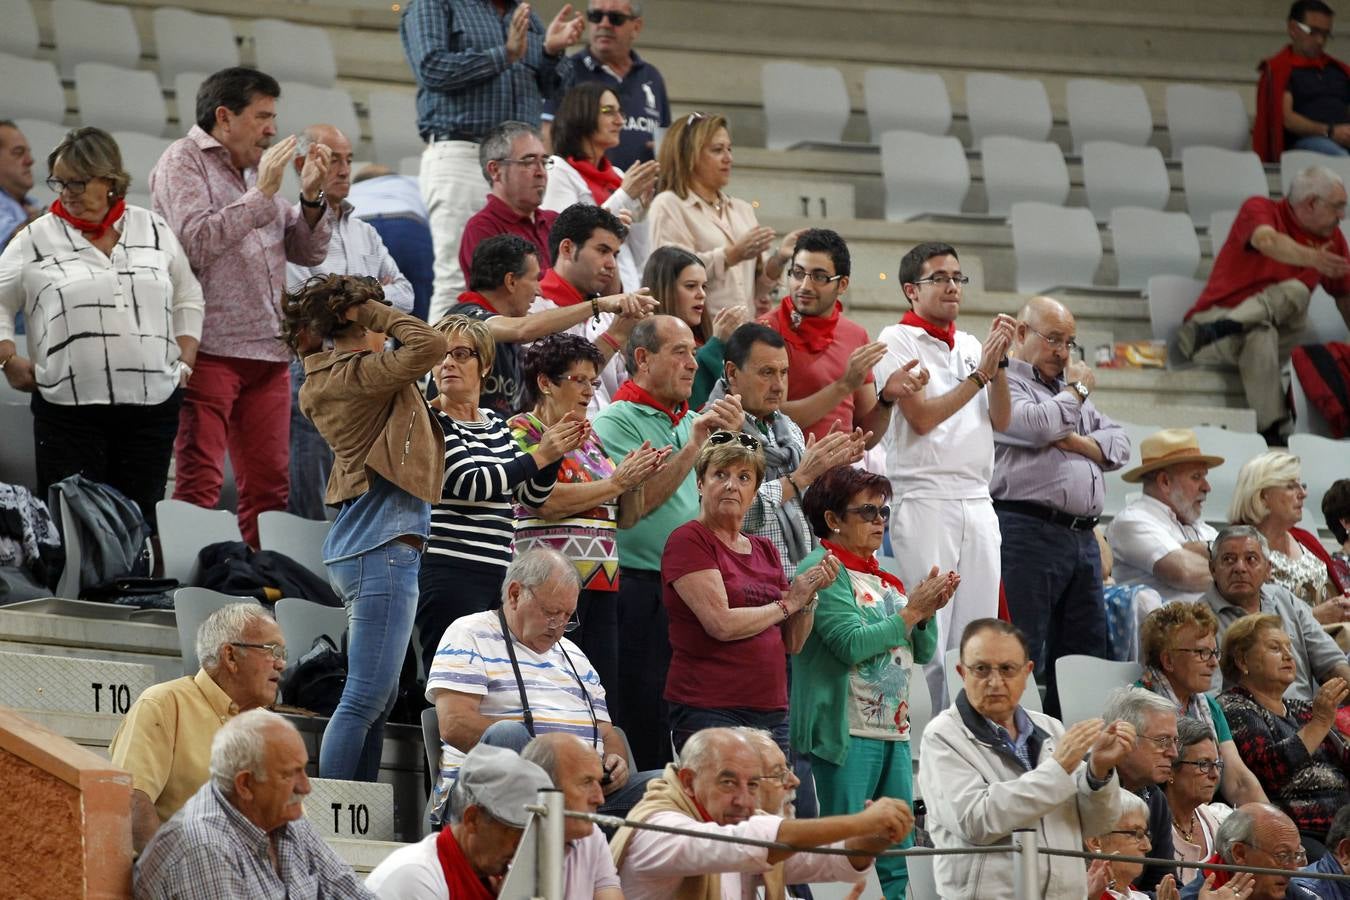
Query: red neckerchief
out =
(477, 299)
(1220, 877)
(868, 564)
(701, 811)
(603, 180)
(558, 289)
(630, 391)
(1268, 124)
(946, 335)
(91, 230)
(810, 333)
(460, 878)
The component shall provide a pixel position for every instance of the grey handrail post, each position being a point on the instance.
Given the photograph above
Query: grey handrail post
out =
(550, 881)
(1027, 874)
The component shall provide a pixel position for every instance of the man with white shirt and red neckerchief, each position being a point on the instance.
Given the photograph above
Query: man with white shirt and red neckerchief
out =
(940, 457)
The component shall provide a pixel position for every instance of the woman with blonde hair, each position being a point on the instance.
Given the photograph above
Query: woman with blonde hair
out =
(693, 211)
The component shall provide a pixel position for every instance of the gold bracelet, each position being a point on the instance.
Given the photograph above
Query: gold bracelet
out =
(981, 380)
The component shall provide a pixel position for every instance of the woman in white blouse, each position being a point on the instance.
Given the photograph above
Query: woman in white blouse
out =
(588, 123)
(692, 211)
(113, 317)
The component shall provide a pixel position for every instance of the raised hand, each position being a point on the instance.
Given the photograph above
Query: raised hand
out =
(1328, 700)
(639, 182)
(564, 31)
(639, 465)
(749, 245)
(1113, 744)
(273, 165)
(1240, 887)
(1076, 742)
(561, 438)
(1167, 888)
(1077, 370)
(314, 174)
(887, 817)
(727, 320)
(933, 593)
(860, 363)
(725, 414)
(904, 381)
(517, 33)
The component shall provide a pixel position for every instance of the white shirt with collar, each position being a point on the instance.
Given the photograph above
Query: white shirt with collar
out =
(1144, 532)
(356, 249)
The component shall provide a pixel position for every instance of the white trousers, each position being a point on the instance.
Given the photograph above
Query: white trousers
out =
(959, 535)
(453, 190)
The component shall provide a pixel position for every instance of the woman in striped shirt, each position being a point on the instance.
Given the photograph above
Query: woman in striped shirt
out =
(473, 525)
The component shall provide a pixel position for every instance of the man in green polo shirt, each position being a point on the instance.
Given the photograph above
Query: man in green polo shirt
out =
(653, 405)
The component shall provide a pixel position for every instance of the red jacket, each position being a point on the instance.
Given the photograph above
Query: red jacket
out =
(1268, 127)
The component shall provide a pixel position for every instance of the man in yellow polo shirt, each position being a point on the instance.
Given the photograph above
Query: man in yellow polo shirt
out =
(165, 739)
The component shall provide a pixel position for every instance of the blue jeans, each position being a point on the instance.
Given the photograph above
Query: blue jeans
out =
(379, 589)
(1321, 144)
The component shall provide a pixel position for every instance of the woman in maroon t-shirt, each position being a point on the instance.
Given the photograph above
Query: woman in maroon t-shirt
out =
(732, 614)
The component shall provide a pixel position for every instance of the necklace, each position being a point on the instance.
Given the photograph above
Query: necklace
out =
(715, 204)
(1187, 833)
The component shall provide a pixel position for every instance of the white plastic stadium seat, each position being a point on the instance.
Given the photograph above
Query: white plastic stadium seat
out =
(1170, 297)
(906, 100)
(193, 606)
(290, 52)
(1199, 116)
(922, 881)
(1147, 242)
(184, 530)
(114, 98)
(1108, 111)
(923, 174)
(140, 152)
(1325, 325)
(299, 538)
(185, 87)
(1236, 447)
(1117, 174)
(1322, 464)
(1054, 245)
(999, 104)
(20, 34)
(1016, 169)
(32, 89)
(393, 125)
(803, 103)
(1220, 223)
(1218, 179)
(303, 104)
(1084, 682)
(192, 42)
(1307, 418)
(94, 32)
(304, 621)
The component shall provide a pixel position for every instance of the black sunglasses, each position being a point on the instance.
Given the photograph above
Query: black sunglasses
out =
(726, 437)
(617, 19)
(868, 512)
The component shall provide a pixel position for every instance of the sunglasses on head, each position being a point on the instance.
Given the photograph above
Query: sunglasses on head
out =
(617, 19)
(726, 437)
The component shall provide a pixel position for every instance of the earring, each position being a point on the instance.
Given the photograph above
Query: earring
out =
(836, 531)
(548, 393)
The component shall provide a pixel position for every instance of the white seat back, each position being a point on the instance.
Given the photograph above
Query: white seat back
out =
(1107, 111)
(20, 34)
(43, 138)
(1054, 245)
(1147, 242)
(114, 98)
(1084, 682)
(140, 152)
(302, 105)
(1199, 116)
(94, 32)
(291, 52)
(32, 90)
(1017, 170)
(906, 100)
(299, 538)
(303, 622)
(1117, 174)
(1001, 104)
(1322, 463)
(393, 126)
(192, 42)
(1170, 297)
(184, 530)
(923, 174)
(185, 87)
(803, 103)
(1220, 223)
(1217, 179)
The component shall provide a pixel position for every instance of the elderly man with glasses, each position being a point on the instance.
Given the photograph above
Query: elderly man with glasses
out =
(1258, 835)
(502, 676)
(1048, 491)
(165, 739)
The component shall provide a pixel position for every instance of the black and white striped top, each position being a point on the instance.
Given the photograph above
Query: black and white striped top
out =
(485, 472)
(101, 328)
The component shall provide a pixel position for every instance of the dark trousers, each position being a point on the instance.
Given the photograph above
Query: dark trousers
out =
(409, 242)
(1052, 576)
(598, 634)
(123, 445)
(635, 701)
(447, 589)
(686, 720)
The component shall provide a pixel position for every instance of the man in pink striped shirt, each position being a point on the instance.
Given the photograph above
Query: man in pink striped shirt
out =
(218, 189)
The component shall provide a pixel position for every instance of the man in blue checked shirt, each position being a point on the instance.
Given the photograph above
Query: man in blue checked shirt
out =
(477, 63)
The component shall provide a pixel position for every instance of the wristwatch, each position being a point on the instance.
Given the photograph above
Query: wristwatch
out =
(1080, 389)
(316, 203)
(881, 396)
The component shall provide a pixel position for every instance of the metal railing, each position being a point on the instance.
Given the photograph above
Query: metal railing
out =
(537, 870)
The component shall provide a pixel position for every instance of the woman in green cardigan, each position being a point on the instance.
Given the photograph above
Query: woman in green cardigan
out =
(850, 682)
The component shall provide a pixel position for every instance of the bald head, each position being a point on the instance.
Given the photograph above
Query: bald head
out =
(1044, 326)
(575, 769)
(339, 181)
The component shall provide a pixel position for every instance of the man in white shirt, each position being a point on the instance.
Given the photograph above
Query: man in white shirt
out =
(1159, 539)
(574, 766)
(716, 791)
(940, 455)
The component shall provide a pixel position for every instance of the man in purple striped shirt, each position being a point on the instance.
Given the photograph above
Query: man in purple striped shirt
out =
(1048, 491)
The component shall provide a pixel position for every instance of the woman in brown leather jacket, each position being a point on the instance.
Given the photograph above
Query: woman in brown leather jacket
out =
(388, 463)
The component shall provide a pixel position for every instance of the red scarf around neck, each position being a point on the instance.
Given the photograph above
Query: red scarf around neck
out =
(91, 230)
(868, 564)
(477, 299)
(810, 333)
(603, 180)
(946, 335)
(460, 878)
(630, 391)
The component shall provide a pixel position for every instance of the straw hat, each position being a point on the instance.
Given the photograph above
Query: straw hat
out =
(1169, 448)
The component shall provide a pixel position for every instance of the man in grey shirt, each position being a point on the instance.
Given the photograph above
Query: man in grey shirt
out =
(1048, 491)
(1239, 560)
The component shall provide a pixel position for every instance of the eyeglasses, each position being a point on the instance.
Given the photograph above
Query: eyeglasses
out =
(1006, 671)
(607, 109)
(726, 437)
(1055, 343)
(579, 381)
(462, 354)
(278, 651)
(74, 188)
(943, 280)
(819, 278)
(1203, 766)
(544, 162)
(1204, 654)
(1163, 741)
(617, 19)
(568, 621)
(1139, 835)
(868, 512)
(1285, 859)
(782, 776)
(1309, 30)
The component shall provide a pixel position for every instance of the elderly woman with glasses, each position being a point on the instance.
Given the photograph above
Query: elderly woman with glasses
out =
(1292, 745)
(693, 211)
(113, 316)
(851, 680)
(1180, 651)
(1190, 793)
(486, 473)
(732, 614)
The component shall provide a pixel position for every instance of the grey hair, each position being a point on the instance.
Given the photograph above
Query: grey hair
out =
(1238, 828)
(241, 746)
(497, 144)
(757, 736)
(702, 748)
(455, 805)
(1130, 802)
(226, 625)
(536, 566)
(1234, 532)
(1191, 731)
(310, 136)
(645, 334)
(543, 751)
(1314, 181)
(1131, 703)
